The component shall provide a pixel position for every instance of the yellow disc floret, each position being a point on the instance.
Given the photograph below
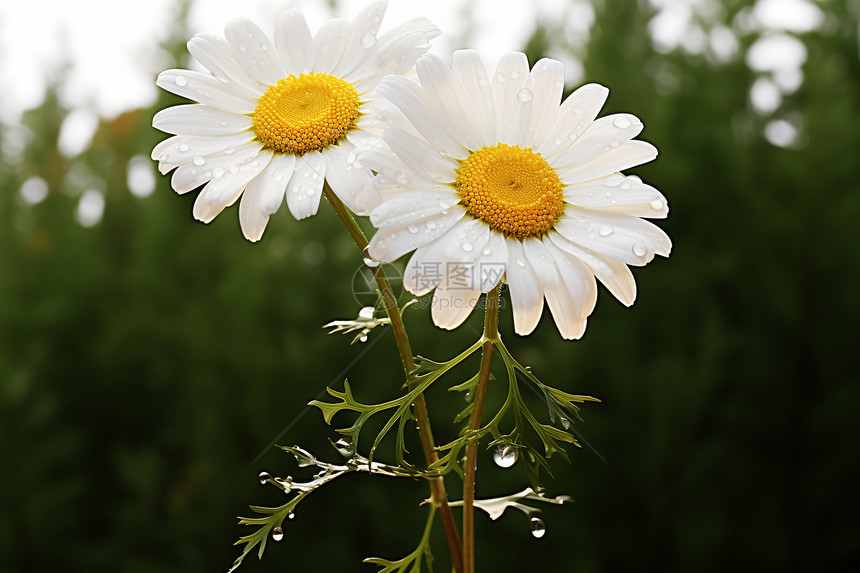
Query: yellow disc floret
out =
(513, 190)
(300, 114)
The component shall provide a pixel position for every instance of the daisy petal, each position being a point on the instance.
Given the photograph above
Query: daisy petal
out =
(614, 274)
(452, 306)
(420, 157)
(305, 187)
(468, 238)
(491, 262)
(511, 76)
(572, 118)
(238, 173)
(619, 193)
(205, 89)
(471, 74)
(347, 176)
(426, 268)
(198, 119)
(623, 237)
(526, 292)
(573, 298)
(445, 99)
(623, 157)
(362, 37)
(545, 86)
(409, 98)
(392, 242)
(215, 55)
(264, 195)
(603, 135)
(397, 53)
(294, 43)
(411, 207)
(191, 175)
(181, 149)
(329, 45)
(254, 51)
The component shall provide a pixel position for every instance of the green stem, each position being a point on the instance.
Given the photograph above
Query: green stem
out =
(422, 417)
(491, 336)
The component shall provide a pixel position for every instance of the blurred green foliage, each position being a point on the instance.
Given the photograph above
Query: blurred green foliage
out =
(146, 361)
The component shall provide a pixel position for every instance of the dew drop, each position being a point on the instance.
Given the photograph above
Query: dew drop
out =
(363, 338)
(183, 147)
(350, 159)
(487, 251)
(467, 246)
(656, 204)
(366, 313)
(639, 249)
(482, 82)
(401, 178)
(524, 94)
(605, 231)
(217, 173)
(430, 225)
(557, 140)
(292, 515)
(528, 368)
(264, 477)
(559, 83)
(515, 75)
(500, 77)
(368, 40)
(538, 527)
(621, 122)
(615, 143)
(278, 533)
(521, 263)
(180, 81)
(572, 137)
(577, 110)
(233, 169)
(605, 148)
(199, 160)
(223, 124)
(505, 455)
(625, 185)
(565, 423)
(413, 229)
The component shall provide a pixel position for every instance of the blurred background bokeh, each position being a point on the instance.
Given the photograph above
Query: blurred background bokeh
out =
(147, 361)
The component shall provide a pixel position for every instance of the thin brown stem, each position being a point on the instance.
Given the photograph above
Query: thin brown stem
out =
(422, 417)
(491, 335)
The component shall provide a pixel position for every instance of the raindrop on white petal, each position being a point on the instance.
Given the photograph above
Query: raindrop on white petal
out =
(401, 178)
(264, 477)
(183, 147)
(625, 185)
(217, 173)
(538, 527)
(557, 140)
(524, 94)
(621, 122)
(180, 81)
(572, 137)
(233, 169)
(615, 143)
(278, 534)
(656, 204)
(559, 83)
(505, 455)
(605, 148)
(467, 246)
(521, 263)
(639, 249)
(515, 75)
(430, 225)
(368, 260)
(199, 160)
(500, 77)
(605, 231)
(482, 82)
(368, 40)
(413, 229)
(577, 110)
(223, 124)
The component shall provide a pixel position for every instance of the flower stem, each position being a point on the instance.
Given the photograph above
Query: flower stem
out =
(422, 417)
(491, 335)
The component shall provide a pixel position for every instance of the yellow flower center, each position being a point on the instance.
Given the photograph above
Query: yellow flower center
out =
(513, 190)
(300, 114)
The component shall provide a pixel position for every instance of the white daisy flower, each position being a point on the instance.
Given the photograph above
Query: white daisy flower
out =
(491, 178)
(277, 119)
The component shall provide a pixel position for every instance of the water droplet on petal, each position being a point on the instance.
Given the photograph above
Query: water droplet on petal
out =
(605, 231)
(621, 122)
(401, 178)
(430, 225)
(199, 160)
(363, 338)
(639, 249)
(368, 40)
(413, 229)
(233, 169)
(524, 94)
(656, 204)
(467, 246)
(500, 77)
(538, 527)
(505, 455)
(217, 173)
(183, 147)
(577, 110)
(520, 262)
(277, 534)
(487, 251)
(180, 81)
(557, 140)
(625, 185)
(264, 477)
(515, 75)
